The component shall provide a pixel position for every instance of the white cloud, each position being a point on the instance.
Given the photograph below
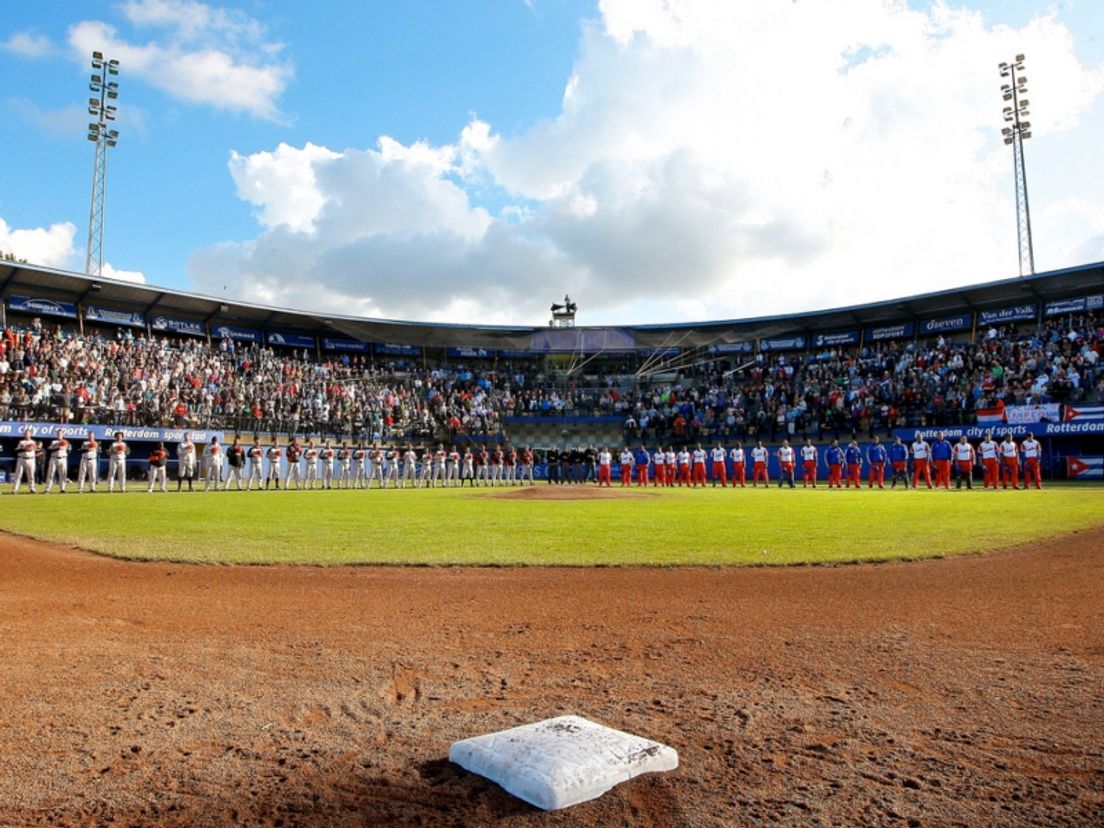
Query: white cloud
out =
(201, 55)
(48, 246)
(28, 45)
(136, 276)
(738, 158)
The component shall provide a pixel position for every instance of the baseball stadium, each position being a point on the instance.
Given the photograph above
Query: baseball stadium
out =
(277, 566)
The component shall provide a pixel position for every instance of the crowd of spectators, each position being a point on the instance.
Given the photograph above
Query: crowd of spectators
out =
(117, 376)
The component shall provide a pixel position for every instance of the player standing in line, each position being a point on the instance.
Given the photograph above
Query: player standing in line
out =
(409, 468)
(526, 458)
(345, 458)
(394, 457)
(498, 466)
(1010, 457)
(158, 460)
(360, 463)
(89, 463)
(327, 455)
(989, 463)
(941, 454)
(739, 466)
(605, 467)
(509, 468)
(255, 455)
(876, 456)
(964, 459)
(852, 456)
(116, 464)
(921, 466)
(59, 463)
(898, 462)
(452, 467)
(235, 464)
(185, 462)
(25, 463)
(439, 465)
(293, 453)
(809, 462)
(640, 464)
(1032, 455)
(427, 468)
(833, 456)
(683, 461)
(659, 460)
(214, 465)
(670, 466)
(698, 476)
(718, 456)
(467, 467)
(273, 454)
(626, 467)
(785, 455)
(759, 458)
(310, 464)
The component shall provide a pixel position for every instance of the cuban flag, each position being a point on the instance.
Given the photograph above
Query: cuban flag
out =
(1085, 468)
(989, 416)
(1084, 413)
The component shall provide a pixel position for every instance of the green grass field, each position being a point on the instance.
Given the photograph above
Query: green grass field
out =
(453, 526)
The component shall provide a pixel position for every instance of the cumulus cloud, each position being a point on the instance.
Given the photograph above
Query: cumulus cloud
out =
(48, 246)
(110, 272)
(28, 45)
(709, 159)
(199, 54)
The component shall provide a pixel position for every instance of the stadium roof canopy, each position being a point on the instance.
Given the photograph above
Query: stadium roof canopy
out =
(18, 279)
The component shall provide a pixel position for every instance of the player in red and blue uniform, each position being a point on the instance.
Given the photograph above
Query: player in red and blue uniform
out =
(852, 455)
(941, 454)
(642, 457)
(876, 456)
(833, 456)
(898, 462)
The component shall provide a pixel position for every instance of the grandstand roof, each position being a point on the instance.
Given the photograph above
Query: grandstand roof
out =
(18, 279)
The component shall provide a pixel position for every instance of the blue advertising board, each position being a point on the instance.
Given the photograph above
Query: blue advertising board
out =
(782, 343)
(395, 349)
(347, 346)
(93, 313)
(514, 353)
(107, 432)
(179, 326)
(1084, 303)
(945, 324)
(883, 332)
(832, 339)
(289, 339)
(236, 333)
(732, 348)
(42, 307)
(470, 353)
(1020, 313)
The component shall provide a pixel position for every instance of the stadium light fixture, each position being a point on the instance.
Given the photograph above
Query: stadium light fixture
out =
(104, 139)
(1017, 131)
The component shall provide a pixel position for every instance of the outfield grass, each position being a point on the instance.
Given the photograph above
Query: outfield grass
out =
(451, 526)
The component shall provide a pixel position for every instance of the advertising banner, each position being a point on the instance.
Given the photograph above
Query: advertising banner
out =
(42, 307)
(76, 433)
(732, 348)
(902, 331)
(290, 340)
(347, 346)
(1048, 413)
(782, 343)
(394, 349)
(178, 326)
(945, 324)
(93, 313)
(831, 340)
(1085, 303)
(236, 333)
(1021, 313)
(470, 353)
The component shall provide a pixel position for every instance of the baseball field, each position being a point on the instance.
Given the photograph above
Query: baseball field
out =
(551, 525)
(143, 687)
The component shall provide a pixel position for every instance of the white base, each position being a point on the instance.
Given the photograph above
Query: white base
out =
(560, 762)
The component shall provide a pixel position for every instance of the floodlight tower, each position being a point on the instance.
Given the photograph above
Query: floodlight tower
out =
(99, 132)
(1018, 131)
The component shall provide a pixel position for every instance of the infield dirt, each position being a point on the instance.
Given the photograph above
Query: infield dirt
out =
(966, 691)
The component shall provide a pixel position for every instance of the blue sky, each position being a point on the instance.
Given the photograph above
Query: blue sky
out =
(447, 160)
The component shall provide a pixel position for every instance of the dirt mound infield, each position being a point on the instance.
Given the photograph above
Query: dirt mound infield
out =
(548, 492)
(963, 691)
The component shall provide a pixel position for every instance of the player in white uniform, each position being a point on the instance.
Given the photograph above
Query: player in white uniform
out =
(294, 452)
(964, 459)
(786, 459)
(185, 462)
(345, 458)
(921, 461)
(360, 464)
(1010, 460)
(158, 462)
(394, 458)
(375, 466)
(310, 464)
(409, 468)
(627, 461)
(808, 464)
(214, 465)
(25, 463)
(273, 455)
(1032, 453)
(327, 456)
(669, 462)
(438, 465)
(697, 475)
(255, 455)
(988, 449)
(235, 465)
(683, 460)
(739, 467)
(89, 463)
(718, 455)
(759, 459)
(116, 464)
(59, 463)
(467, 468)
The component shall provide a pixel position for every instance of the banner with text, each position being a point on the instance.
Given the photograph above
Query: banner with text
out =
(42, 307)
(1021, 313)
(187, 327)
(92, 313)
(73, 432)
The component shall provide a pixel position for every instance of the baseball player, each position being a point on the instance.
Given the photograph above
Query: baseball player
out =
(467, 468)
(25, 463)
(808, 464)
(659, 462)
(214, 465)
(310, 461)
(426, 470)
(683, 460)
(293, 453)
(345, 458)
(59, 463)
(483, 470)
(452, 467)
(391, 473)
(697, 476)
(89, 463)
(942, 455)
(273, 455)
(876, 455)
(1010, 458)
(640, 460)
(719, 471)
(989, 463)
(786, 463)
(852, 456)
(116, 464)
(605, 467)
(626, 467)
(235, 464)
(1032, 453)
(759, 457)
(898, 462)
(526, 458)
(921, 454)
(327, 456)
(409, 468)
(497, 461)
(834, 457)
(158, 462)
(964, 460)
(360, 464)
(669, 467)
(739, 465)
(185, 462)
(255, 455)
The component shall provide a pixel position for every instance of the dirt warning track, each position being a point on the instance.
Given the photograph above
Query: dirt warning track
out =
(966, 691)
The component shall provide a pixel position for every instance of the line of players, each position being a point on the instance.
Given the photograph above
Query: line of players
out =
(933, 463)
(307, 466)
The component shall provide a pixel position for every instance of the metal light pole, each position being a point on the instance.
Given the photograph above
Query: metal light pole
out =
(1018, 131)
(98, 132)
